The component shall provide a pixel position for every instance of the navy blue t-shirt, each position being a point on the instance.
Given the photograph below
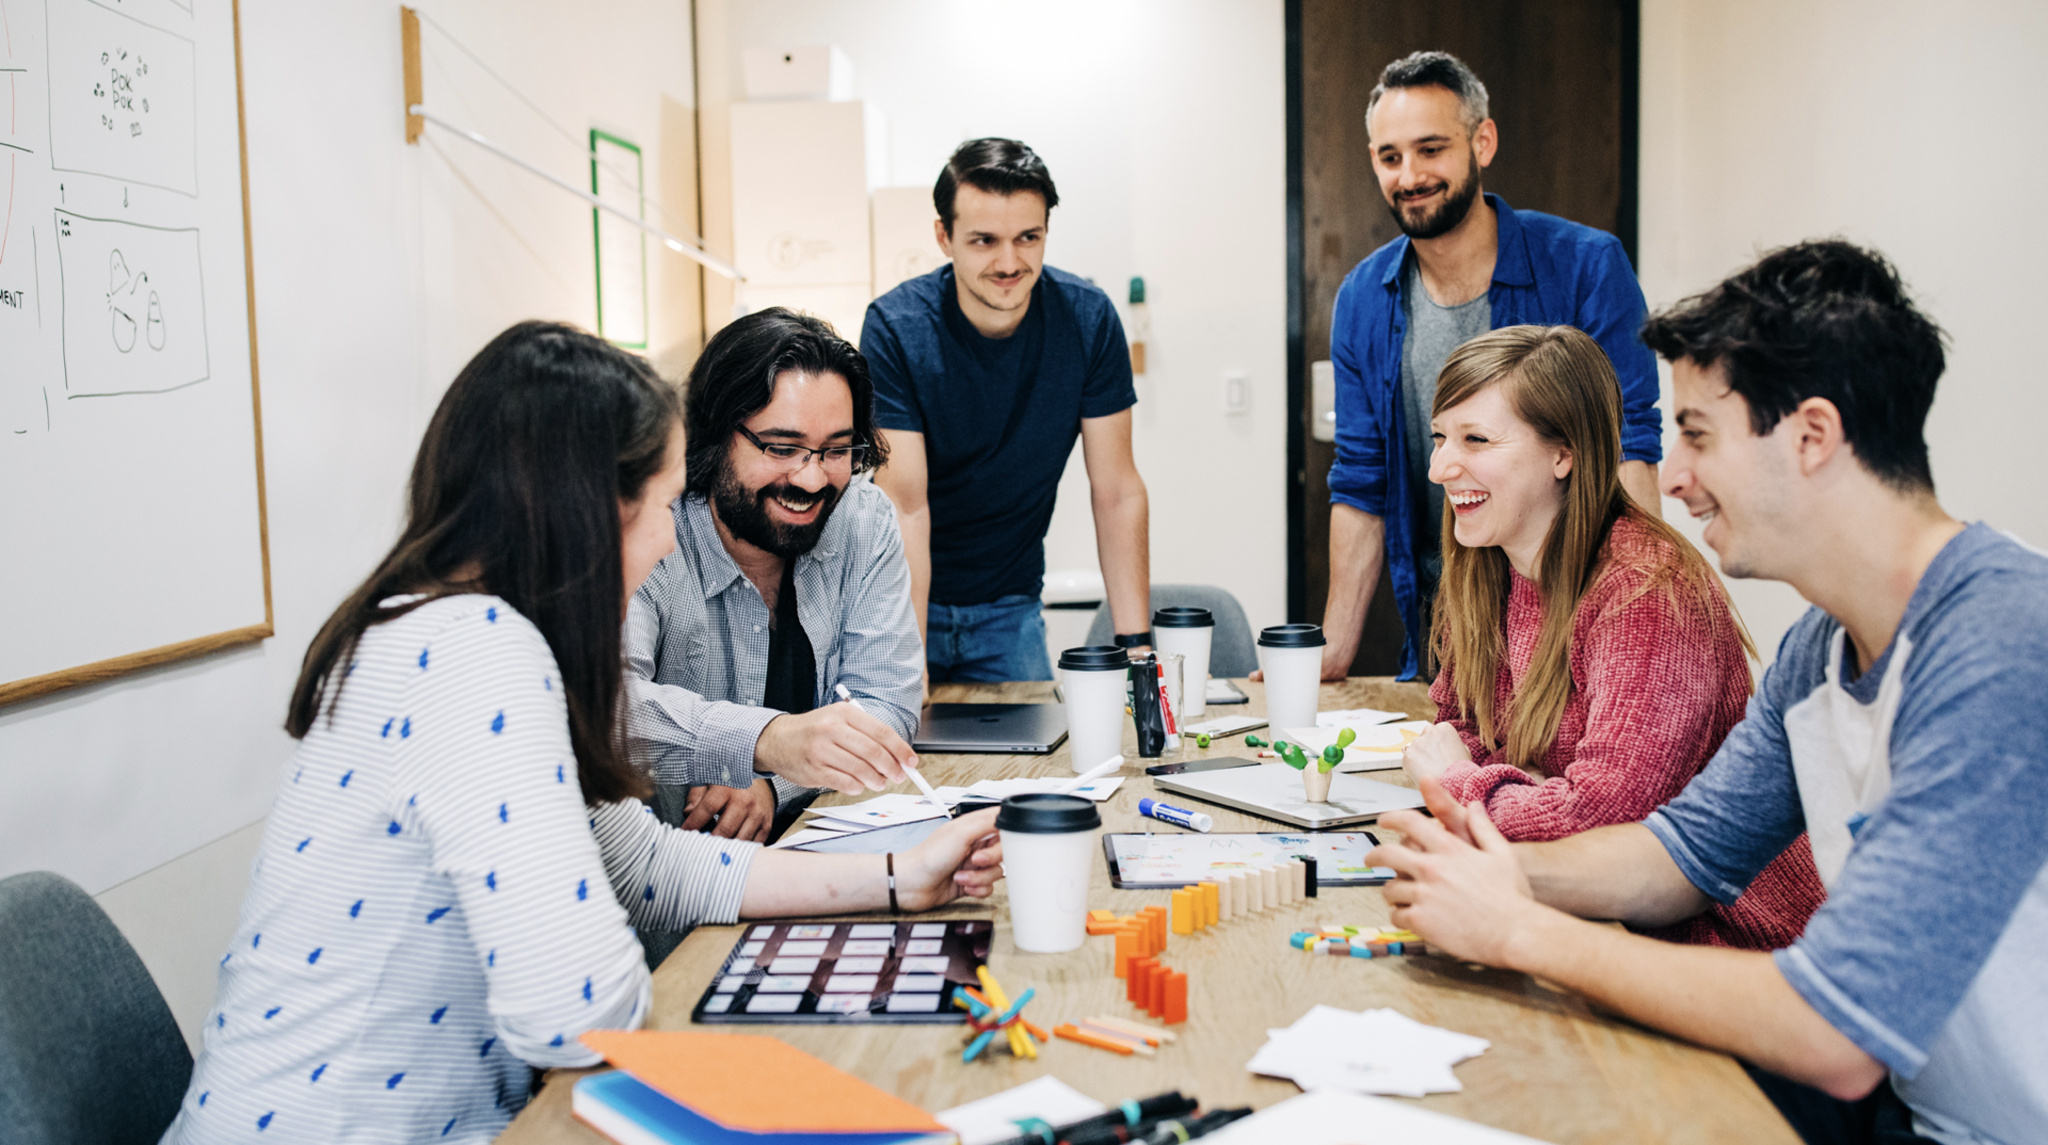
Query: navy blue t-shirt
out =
(999, 417)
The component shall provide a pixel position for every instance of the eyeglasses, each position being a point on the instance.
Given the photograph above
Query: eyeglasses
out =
(832, 458)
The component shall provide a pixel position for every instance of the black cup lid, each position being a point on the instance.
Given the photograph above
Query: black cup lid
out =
(1043, 813)
(1096, 658)
(1292, 636)
(1182, 617)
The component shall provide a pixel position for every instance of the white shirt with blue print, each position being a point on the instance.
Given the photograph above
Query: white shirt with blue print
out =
(434, 910)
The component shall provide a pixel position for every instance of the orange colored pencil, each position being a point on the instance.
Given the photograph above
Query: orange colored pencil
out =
(1069, 1032)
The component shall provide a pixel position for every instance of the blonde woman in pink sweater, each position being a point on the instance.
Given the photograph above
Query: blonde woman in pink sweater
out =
(1590, 662)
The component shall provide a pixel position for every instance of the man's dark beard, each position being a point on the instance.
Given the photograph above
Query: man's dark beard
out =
(745, 513)
(1456, 204)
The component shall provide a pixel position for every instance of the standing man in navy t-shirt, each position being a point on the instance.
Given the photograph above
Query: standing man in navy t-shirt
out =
(985, 371)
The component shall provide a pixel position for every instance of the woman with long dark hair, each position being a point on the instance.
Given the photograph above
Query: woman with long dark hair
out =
(1591, 663)
(448, 880)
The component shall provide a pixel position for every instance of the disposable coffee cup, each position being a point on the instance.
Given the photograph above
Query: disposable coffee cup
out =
(1094, 682)
(1187, 632)
(1048, 851)
(1291, 656)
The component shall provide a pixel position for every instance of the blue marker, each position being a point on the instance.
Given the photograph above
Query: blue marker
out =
(1178, 816)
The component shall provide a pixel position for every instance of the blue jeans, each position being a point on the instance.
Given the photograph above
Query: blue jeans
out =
(986, 643)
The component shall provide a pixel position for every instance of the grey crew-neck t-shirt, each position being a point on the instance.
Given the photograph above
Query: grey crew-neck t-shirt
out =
(1433, 332)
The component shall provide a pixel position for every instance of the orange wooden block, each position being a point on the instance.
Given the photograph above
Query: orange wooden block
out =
(1102, 922)
(1212, 900)
(1183, 912)
(1126, 949)
(1160, 925)
(1155, 991)
(1138, 987)
(1176, 999)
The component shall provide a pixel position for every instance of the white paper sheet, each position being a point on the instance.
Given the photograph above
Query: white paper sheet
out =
(1377, 1051)
(1332, 1117)
(995, 1118)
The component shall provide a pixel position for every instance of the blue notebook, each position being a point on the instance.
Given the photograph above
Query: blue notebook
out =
(621, 1107)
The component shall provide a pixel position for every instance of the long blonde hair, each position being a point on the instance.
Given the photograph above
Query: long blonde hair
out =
(1560, 382)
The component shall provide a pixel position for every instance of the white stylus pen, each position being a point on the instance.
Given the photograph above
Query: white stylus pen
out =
(929, 794)
(1091, 775)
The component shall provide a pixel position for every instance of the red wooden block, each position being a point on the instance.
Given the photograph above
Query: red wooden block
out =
(1176, 999)
(1155, 992)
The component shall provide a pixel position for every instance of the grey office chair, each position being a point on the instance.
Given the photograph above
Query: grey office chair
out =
(89, 1052)
(1231, 652)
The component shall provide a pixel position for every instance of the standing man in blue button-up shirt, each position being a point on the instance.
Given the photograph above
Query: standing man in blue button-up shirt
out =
(1466, 263)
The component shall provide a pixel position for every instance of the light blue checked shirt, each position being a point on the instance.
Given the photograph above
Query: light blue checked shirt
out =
(697, 641)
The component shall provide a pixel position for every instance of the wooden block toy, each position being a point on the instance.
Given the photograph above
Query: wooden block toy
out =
(1156, 916)
(1138, 983)
(1271, 890)
(1101, 921)
(1183, 912)
(1298, 870)
(1155, 990)
(1126, 949)
(1211, 904)
(1254, 889)
(1176, 1006)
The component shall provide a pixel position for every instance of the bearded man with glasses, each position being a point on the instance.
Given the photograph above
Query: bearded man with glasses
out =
(788, 580)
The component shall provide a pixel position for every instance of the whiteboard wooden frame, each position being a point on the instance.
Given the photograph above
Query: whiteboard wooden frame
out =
(15, 691)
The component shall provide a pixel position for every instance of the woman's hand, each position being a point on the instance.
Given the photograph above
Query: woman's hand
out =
(962, 858)
(1434, 752)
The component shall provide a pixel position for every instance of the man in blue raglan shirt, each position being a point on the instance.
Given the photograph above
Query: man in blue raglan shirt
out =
(1901, 727)
(985, 371)
(1466, 263)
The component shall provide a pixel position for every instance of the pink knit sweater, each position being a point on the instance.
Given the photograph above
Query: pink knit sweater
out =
(1658, 680)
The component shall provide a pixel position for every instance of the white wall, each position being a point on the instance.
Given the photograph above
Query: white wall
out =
(1163, 124)
(1899, 125)
(380, 268)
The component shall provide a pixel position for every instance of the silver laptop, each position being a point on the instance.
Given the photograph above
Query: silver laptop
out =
(1003, 729)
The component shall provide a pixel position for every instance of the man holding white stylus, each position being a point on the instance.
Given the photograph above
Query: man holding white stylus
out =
(788, 585)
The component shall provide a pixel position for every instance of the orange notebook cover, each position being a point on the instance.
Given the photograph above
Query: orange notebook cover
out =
(757, 1083)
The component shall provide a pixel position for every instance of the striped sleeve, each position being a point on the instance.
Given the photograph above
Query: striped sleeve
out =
(668, 878)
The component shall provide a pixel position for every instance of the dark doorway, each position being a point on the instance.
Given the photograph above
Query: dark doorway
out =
(1562, 80)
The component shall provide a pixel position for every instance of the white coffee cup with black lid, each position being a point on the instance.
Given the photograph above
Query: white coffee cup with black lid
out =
(1048, 852)
(1094, 681)
(1188, 632)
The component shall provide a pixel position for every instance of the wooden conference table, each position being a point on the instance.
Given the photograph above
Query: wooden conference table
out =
(1557, 1070)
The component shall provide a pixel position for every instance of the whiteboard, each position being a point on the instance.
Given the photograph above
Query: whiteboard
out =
(131, 475)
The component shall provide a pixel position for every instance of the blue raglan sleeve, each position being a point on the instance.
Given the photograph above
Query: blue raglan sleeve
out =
(889, 370)
(1743, 808)
(1936, 873)
(1358, 476)
(1611, 309)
